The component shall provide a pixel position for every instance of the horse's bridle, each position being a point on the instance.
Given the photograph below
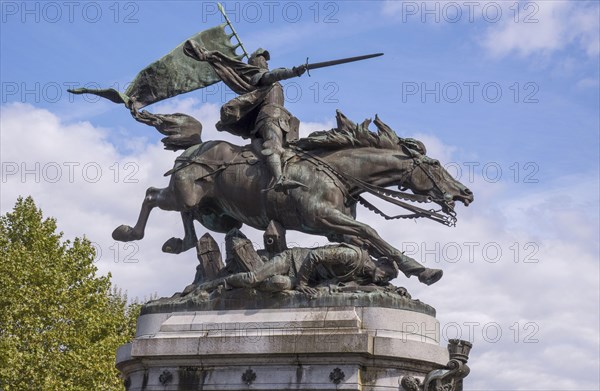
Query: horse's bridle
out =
(393, 196)
(422, 161)
(388, 195)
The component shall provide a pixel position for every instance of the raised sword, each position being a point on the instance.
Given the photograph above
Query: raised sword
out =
(324, 64)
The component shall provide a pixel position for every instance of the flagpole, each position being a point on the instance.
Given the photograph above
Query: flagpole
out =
(232, 29)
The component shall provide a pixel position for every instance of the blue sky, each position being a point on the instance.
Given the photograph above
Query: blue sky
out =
(533, 150)
(549, 89)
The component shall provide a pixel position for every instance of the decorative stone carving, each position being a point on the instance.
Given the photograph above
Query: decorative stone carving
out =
(337, 376)
(165, 378)
(449, 378)
(249, 376)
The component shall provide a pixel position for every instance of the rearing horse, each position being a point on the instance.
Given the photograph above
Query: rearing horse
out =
(222, 186)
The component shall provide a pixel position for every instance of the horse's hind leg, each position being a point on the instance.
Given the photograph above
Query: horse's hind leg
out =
(154, 197)
(176, 245)
(340, 224)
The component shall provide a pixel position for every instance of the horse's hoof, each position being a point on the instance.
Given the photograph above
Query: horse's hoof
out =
(124, 233)
(430, 276)
(173, 246)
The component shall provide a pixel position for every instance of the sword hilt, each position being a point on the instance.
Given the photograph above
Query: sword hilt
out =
(307, 70)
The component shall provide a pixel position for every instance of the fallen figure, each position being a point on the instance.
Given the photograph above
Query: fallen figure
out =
(304, 268)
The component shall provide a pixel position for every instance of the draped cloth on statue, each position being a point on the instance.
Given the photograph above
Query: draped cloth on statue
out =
(173, 74)
(239, 115)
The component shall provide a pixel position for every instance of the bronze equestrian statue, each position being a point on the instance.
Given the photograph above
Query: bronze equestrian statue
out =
(312, 185)
(222, 186)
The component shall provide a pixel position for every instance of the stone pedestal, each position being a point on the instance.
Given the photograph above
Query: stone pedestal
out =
(347, 347)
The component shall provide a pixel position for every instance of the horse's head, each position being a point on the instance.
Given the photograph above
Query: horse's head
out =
(371, 157)
(427, 177)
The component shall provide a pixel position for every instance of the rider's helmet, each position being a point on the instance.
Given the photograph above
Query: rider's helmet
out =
(261, 52)
(259, 58)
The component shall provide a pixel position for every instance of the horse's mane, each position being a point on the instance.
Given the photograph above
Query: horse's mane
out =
(347, 134)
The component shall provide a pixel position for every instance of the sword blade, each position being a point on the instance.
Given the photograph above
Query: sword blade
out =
(324, 64)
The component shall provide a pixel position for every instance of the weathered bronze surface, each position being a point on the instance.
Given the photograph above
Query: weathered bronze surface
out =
(334, 275)
(449, 378)
(223, 186)
(279, 182)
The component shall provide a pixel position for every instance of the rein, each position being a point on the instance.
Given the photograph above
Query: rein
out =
(213, 166)
(388, 195)
(391, 196)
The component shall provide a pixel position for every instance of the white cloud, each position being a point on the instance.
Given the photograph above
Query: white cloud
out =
(541, 293)
(435, 148)
(522, 27)
(307, 128)
(553, 300)
(75, 174)
(544, 27)
(588, 82)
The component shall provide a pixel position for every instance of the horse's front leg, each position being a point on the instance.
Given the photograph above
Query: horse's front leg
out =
(154, 197)
(337, 223)
(176, 245)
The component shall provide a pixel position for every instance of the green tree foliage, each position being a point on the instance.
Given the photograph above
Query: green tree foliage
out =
(60, 323)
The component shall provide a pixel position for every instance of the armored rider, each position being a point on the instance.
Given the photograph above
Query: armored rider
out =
(258, 112)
